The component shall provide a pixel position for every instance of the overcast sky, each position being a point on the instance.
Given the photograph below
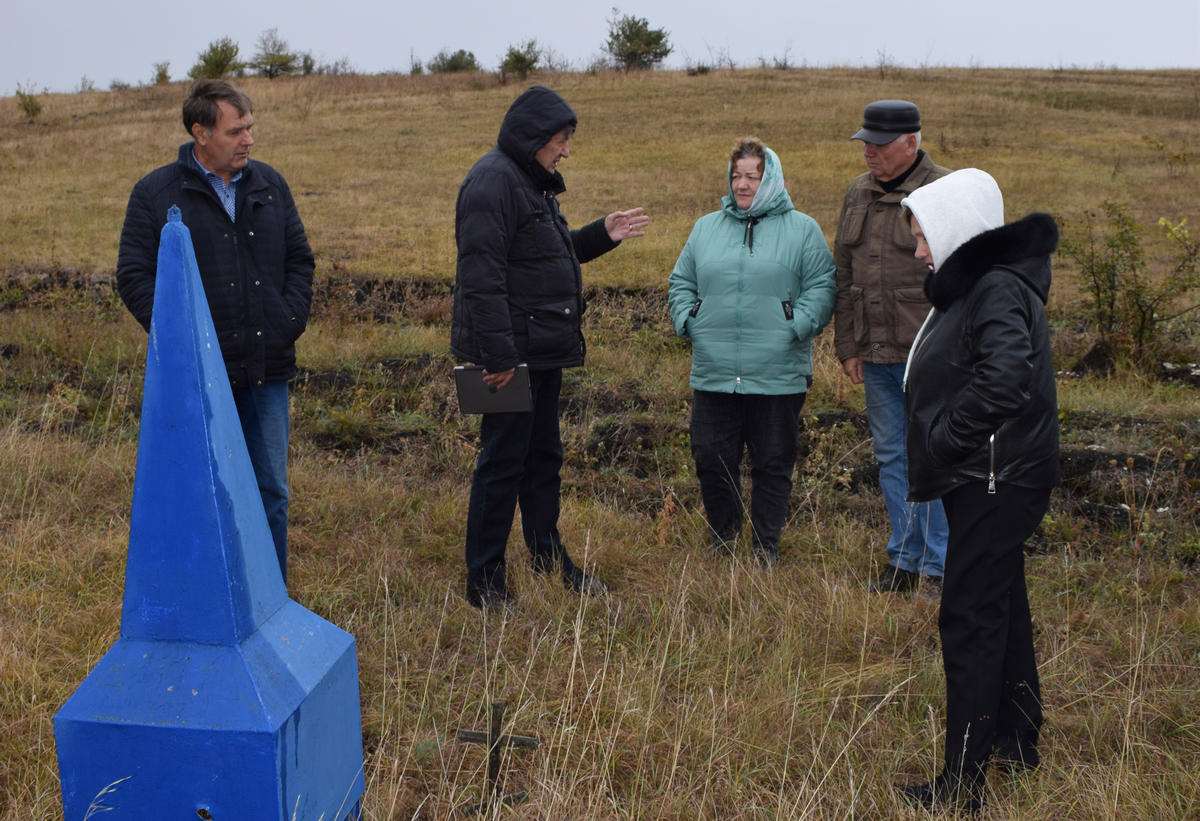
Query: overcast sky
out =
(54, 43)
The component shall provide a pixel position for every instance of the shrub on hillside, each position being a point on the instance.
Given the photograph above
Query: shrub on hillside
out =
(216, 61)
(274, 58)
(445, 63)
(162, 73)
(522, 59)
(27, 102)
(632, 44)
(309, 65)
(1130, 305)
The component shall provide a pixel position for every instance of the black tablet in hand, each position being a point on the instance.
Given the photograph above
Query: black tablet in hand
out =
(477, 396)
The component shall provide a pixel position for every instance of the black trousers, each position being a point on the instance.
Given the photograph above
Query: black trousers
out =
(768, 427)
(520, 460)
(985, 625)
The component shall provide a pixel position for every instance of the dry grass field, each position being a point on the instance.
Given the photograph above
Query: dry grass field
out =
(701, 688)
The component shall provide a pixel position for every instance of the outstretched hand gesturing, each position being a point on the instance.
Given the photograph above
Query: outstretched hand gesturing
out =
(626, 224)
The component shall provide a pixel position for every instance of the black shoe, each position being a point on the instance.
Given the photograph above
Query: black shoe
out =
(575, 579)
(544, 565)
(722, 548)
(931, 588)
(767, 560)
(894, 580)
(490, 600)
(1015, 755)
(956, 795)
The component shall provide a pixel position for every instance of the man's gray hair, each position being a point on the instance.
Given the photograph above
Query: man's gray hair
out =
(201, 105)
(910, 133)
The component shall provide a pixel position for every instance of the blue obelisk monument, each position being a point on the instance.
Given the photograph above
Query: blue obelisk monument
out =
(223, 698)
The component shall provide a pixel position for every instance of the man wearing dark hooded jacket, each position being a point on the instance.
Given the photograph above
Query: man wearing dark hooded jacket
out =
(518, 299)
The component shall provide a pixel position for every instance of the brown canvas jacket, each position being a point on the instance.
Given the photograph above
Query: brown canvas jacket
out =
(881, 299)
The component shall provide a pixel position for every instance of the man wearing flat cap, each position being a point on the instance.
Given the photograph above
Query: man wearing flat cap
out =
(881, 304)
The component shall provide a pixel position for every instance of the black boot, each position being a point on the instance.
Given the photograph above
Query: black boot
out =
(894, 580)
(766, 558)
(491, 600)
(584, 583)
(573, 577)
(1016, 754)
(946, 793)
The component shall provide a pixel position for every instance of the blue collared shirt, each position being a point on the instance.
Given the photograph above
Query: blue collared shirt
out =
(227, 194)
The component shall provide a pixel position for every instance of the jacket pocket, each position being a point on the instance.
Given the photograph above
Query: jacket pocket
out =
(902, 233)
(859, 302)
(911, 309)
(277, 317)
(850, 232)
(546, 235)
(536, 238)
(553, 331)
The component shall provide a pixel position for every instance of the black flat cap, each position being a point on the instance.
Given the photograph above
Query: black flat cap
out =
(885, 120)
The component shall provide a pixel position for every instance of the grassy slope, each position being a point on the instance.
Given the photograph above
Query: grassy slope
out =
(700, 689)
(376, 161)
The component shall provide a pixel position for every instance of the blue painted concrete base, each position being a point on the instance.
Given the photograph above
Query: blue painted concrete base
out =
(255, 731)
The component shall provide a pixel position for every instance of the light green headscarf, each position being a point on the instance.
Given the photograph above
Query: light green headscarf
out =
(772, 195)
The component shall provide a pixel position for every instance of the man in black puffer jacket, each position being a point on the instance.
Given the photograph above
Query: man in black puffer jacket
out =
(518, 299)
(983, 436)
(255, 263)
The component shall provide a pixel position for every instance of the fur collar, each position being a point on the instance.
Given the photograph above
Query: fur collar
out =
(1035, 235)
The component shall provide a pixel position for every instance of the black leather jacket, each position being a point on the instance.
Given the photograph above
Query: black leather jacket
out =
(518, 292)
(981, 397)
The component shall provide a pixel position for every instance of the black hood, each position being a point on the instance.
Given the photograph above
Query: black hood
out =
(533, 118)
(1022, 248)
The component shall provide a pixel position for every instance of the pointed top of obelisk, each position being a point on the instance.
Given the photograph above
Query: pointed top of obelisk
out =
(201, 564)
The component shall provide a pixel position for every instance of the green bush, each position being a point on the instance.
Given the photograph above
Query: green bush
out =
(216, 61)
(162, 73)
(445, 63)
(27, 101)
(1129, 305)
(522, 59)
(274, 58)
(632, 44)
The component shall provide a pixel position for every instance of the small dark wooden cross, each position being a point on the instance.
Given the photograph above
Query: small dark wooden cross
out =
(494, 741)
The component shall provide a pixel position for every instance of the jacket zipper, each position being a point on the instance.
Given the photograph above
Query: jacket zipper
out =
(243, 295)
(552, 205)
(737, 325)
(992, 470)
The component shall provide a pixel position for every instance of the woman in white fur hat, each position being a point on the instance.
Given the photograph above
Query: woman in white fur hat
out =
(983, 437)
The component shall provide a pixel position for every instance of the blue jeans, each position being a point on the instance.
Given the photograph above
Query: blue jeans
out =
(263, 412)
(919, 529)
(768, 427)
(519, 461)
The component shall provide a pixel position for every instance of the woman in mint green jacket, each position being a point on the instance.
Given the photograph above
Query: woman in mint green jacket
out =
(754, 284)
